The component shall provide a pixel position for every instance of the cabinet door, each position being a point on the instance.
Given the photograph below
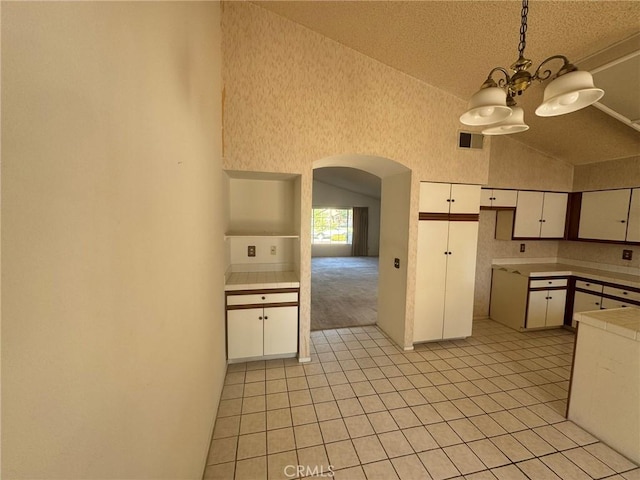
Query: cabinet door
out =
(556, 301)
(633, 225)
(280, 330)
(528, 215)
(465, 198)
(603, 215)
(554, 214)
(431, 266)
(505, 198)
(435, 197)
(244, 333)
(486, 197)
(537, 310)
(460, 279)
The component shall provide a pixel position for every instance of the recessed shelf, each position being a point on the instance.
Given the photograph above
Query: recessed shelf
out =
(259, 235)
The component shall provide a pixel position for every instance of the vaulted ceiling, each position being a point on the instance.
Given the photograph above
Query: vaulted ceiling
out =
(453, 45)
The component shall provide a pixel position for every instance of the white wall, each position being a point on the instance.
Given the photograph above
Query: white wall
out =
(394, 239)
(113, 219)
(325, 195)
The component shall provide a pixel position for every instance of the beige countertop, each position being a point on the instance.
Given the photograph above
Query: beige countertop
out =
(261, 280)
(624, 322)
(560, 269)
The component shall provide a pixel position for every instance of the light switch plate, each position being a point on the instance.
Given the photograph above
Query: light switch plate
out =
(627, 254)
(251, 251)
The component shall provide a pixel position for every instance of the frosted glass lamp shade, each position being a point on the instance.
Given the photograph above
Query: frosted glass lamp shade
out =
(568, 93)
(487, 106)
(513, 124)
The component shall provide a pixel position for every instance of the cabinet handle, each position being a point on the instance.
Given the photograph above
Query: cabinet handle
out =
(448, 199)
(263, 298)
(266, 318)
(625, 293)
(623, 306)
(448, 253)
(550, 283)
(550, 298)
(597, 303)
(259, 318)
(588, 284)
(623, 221)
(453, 199)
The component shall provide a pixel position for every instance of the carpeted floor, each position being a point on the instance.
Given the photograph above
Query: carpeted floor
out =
(344, 292)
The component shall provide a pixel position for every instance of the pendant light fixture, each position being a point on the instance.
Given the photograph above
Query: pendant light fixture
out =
(494, 104)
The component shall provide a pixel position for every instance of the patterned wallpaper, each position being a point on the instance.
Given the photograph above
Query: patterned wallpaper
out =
(612, 174)
(293, 97)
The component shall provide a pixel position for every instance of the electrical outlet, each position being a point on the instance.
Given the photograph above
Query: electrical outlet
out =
(251, 251)
(627, 254)
(273, 249)
(522, 248)
(396, 262)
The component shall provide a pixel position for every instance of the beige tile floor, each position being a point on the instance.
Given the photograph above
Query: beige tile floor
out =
(487, 407)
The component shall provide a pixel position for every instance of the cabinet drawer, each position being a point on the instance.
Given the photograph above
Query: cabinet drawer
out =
(610, 303)
(592, 287)
(548, 282)
(622, 293)
(262, 298)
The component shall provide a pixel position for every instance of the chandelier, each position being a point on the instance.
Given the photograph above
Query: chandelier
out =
(494, 104)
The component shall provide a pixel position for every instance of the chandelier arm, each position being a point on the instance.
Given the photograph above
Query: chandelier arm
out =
(502, 82)
(545, 74)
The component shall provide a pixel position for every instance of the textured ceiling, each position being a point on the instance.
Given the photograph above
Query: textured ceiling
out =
(453, 45)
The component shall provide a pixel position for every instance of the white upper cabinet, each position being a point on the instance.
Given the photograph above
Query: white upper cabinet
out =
(554, 214)
(604, 215)
(449, 198)
(498, 198)
(633, 224)
(540, 215)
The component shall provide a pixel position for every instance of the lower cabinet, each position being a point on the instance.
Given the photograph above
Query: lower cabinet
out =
(546, 308)
(526, 303)
(260, 327)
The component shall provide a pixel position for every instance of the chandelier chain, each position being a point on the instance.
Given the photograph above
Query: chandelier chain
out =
(523, 27)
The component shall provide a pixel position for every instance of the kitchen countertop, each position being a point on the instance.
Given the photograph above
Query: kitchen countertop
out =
(261, 280)
(561, 269)
(624, 322)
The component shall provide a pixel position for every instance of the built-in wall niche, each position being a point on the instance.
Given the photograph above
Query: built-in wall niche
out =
(263, 222)
(264, 204)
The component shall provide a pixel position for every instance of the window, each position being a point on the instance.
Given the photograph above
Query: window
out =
(331, 226)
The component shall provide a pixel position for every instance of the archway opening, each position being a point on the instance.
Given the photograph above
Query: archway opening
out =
(349, 284)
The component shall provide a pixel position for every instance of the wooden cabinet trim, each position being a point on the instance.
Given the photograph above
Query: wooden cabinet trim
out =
(262, 305)
(261, 291)
(542, 289)
(449, 217)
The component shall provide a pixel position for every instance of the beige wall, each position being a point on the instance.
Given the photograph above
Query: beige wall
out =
(515, 165)
(293, 97)
(113, 328)
(612, 174)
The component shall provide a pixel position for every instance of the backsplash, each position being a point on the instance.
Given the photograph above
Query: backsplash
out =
(606, 253)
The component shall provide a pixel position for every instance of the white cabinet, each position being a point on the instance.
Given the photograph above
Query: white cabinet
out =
(449, 198)
(522, 303)
(546, 308)
(446, 259)
(491, 197)
(633, 224)
(260, 324)
(604, 215)
(540, 215)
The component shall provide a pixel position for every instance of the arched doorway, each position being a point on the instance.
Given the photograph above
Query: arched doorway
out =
(393, 234)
